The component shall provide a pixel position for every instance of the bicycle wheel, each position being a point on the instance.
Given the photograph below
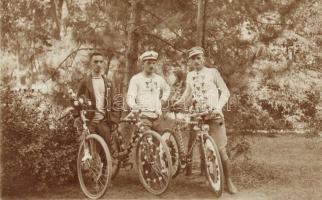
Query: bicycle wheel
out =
(213, 166)
(94, 166)
(115, 149)
(153, 161)
(172, 142)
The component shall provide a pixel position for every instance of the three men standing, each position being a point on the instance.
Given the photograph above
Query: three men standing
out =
(149, 92)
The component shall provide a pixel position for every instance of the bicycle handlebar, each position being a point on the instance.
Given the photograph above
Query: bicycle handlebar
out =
(65, 112)
(133, 116)
(199, 117)
(200, 114)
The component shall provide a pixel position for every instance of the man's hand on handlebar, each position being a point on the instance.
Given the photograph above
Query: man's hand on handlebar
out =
(177, 107)
(137, 113)
(217, 113)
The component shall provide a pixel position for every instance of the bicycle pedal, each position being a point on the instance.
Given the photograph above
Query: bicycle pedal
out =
(127, 165)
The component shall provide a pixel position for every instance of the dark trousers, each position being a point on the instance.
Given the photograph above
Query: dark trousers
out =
(103, 129)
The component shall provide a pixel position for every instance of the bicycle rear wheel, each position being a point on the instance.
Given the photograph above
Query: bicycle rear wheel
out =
(153, 161)
(94, 166)
(173, 145)
(213, 165)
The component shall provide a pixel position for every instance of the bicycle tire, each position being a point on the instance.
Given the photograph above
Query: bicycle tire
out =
(139, 164)
(173, 146)
(218, 186)
(108, 167)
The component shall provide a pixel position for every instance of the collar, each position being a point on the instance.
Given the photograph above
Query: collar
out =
(200, 71)
(150, 77)
(94, 76)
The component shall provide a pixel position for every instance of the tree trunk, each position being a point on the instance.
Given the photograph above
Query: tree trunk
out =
(200, 41)
(56, 8)
(133, 43)
(201, 23)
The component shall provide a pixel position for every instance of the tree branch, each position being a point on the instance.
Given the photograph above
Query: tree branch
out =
(73, 53)
(162, 40)
(162, 20)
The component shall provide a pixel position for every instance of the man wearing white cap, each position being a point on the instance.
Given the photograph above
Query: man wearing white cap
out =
(204, 85)
(147, 90)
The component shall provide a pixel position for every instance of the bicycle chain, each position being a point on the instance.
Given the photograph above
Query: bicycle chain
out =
(180, 140)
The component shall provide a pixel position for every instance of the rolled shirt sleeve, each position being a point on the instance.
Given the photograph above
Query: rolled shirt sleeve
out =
(165, 90)
(132, 93)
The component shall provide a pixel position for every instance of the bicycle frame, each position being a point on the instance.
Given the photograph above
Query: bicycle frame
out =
(85, 132)
(135, 135)
(201, 129)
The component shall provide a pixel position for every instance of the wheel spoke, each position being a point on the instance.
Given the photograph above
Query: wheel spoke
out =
(153, 161)
(157, 171)
(93, 173)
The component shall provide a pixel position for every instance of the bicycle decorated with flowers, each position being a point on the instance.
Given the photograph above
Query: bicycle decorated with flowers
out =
(152, 156)
(94, 161)
(209, 151)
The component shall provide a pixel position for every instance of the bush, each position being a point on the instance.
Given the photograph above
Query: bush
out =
(37, 150)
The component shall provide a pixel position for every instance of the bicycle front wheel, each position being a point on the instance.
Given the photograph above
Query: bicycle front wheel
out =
(213, 165)
(94, 166)
(153, 161)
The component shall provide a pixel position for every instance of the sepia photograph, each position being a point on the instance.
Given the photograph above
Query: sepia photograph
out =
(161, 99)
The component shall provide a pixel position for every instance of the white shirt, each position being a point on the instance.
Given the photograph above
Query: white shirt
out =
(204, 87)
(146, 92)
(99, 91)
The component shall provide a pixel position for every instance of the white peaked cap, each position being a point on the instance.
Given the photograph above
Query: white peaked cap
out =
(195, 51)
(149, 55)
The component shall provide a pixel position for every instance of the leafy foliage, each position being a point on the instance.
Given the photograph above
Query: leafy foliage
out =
(36, 149)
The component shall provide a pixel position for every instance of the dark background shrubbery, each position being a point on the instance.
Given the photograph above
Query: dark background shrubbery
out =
(37, 150)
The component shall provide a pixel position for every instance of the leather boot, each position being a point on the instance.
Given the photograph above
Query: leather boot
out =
(230, 187)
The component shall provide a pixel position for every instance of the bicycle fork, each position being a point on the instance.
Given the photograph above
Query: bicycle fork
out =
(88, 148)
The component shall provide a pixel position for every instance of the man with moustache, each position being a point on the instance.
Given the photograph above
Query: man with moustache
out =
(148, 92)
(208, 90)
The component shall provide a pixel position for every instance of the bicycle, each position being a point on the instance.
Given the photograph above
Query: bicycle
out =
(152, 157)
(94, 163)
(211, 157)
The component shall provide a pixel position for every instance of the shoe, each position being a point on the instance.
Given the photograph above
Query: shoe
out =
(230, 187)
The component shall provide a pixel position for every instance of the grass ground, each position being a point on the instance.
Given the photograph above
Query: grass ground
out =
(282, 167)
